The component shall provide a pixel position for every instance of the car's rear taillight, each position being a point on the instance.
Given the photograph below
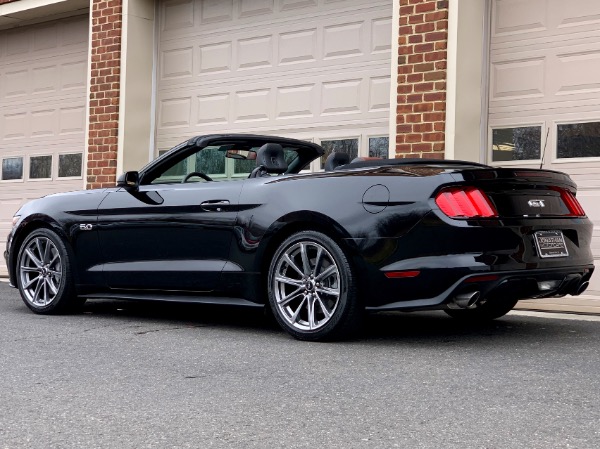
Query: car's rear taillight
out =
(572, 204)
(465, 202)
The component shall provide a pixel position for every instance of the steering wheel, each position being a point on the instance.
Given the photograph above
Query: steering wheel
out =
(196, 173)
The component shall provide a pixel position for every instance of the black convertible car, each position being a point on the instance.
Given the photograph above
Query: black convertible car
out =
(230, 219)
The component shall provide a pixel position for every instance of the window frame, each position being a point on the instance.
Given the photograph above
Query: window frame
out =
(543, 132)
(68, 178)
(315, 166)
(23, 171)
(52, 167)
(555, 158)
(368, 138)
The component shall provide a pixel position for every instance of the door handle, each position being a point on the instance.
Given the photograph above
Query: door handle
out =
(214, 205)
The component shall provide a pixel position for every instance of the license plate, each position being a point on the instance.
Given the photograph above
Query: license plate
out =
(551, 244)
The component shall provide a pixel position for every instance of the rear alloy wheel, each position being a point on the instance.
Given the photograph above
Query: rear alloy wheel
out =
(490, 310)
(44, 275)
(312, 290)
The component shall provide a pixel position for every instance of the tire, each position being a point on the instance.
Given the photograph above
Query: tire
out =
(44, 274)
(490, 310)
(312, 288)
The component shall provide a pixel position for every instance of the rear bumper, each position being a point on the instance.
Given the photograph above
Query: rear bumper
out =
(446, 253)
(522, 284)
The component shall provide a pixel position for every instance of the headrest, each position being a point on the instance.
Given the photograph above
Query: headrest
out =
(336, 159)
(271, 157)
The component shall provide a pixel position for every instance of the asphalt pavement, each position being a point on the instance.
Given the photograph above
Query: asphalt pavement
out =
(138, 375)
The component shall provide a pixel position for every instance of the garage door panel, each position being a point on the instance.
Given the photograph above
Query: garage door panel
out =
(43, 124)
(542, 19)
(329, 99)
(546, 77)
(286, 49)
(197, 18)
(26, 84)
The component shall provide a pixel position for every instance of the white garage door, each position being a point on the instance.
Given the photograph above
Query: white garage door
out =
(545, 85)
(317, 70)
(42, 113)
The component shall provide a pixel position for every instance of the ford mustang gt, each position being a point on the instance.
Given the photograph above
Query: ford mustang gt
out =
(233, 219)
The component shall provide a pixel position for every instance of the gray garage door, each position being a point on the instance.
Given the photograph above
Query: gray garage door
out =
(42, 112)
(317, 70)
(545, 85)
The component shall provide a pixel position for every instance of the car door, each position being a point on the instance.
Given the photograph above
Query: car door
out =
(174, 230)
(168, 237)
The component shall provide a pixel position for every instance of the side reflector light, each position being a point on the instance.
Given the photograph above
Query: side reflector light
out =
(465, 202)
(401, 274)
(483, 278)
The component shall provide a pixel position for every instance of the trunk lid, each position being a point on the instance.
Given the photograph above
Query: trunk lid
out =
(524, 193)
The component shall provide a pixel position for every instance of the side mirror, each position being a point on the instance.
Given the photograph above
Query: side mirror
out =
(129, 180)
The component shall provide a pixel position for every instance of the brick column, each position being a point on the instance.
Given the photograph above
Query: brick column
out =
(421, 100)
(104, 93)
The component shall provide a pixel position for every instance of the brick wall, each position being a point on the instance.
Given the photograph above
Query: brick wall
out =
(104, 93)
(421, 99)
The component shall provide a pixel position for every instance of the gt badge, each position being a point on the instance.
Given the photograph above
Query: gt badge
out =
(536, 203)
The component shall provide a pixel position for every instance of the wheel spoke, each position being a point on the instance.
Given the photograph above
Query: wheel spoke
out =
(33, 258)
(289, 281)
(323, 308)
(305, 261)
(310, 304)
(36, 293)
(46, 252)
(30, 282)
(54, 259)
(38, 245)
(29, 269)
(294, 317)
(291, 263)
(287, 299)
(328, 291)
(318, 261)
(45, 288)
(326, 273)
(53, 287)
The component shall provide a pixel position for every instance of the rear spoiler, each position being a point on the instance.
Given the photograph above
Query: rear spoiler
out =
(521, 175)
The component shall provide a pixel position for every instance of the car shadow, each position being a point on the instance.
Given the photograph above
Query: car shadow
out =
(390, 327)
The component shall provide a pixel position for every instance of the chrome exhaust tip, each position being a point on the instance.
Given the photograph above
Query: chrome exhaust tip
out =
(582, 287)
(466, 300)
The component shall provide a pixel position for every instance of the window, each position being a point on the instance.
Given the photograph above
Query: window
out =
(12, 168)
(209, 160)
(379, 147)
(349, 146)
(69, 165)
(516, 144)
(578, 140)
(220, 162)
(40, 167)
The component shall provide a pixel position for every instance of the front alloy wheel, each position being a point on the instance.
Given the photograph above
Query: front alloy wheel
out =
(311, 288)
(40, 271)
(44, 274)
